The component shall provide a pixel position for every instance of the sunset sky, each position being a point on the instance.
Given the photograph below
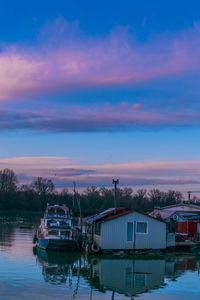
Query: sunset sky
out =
(95, 90)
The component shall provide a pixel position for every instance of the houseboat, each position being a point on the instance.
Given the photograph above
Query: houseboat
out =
(56, 231)
(125, 229)
(182, 219)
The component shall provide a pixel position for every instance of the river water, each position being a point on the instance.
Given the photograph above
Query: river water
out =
(29, 273)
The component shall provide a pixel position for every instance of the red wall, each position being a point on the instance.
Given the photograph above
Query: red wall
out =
(187, 227)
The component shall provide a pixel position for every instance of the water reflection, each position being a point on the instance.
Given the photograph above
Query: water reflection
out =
(58, 268)
(129, 277)
(14, 229)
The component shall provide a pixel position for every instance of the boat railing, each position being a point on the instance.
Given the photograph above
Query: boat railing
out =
(46, 215)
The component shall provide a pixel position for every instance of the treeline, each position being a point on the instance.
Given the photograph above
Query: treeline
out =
(34, 197)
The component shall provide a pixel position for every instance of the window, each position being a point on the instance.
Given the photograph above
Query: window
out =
(53, 232)
(65, 233)
(128, 277)
(140, 280)
(129, 231)
(141, 227)
(98, 228)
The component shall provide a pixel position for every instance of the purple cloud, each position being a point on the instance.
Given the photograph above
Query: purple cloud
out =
(66, 59)
(99, 118)
(64, 171)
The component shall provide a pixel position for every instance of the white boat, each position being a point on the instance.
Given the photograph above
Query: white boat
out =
(56, 231)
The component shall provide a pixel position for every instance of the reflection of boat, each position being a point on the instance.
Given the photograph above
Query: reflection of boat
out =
(56, 231)
(57, 268)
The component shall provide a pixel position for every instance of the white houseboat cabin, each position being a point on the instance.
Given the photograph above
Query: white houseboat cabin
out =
(126, 229)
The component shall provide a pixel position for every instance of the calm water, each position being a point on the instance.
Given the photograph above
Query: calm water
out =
(26, 273)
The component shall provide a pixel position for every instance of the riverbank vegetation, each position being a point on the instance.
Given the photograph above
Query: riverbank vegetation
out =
(36, 195)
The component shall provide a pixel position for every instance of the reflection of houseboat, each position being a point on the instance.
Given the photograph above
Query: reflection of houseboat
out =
(132, 277)
(56, 231)
(127, 276)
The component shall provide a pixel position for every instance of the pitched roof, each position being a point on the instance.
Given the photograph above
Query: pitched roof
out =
(163, 214)
(166, 211)
(180, 205)
(121, 211)
(112, 216)
(107, 212)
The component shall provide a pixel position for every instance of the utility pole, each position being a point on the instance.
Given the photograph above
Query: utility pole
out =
(189, 194)
(74, 197)
(77, 198)
(115, 182)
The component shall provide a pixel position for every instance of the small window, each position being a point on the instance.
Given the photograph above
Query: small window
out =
(140, 280)
(53, 232)
(98, 228)
(141, 227)
(65, 233)
(129, 231)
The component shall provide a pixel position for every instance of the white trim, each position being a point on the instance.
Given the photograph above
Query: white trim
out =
(142, 232)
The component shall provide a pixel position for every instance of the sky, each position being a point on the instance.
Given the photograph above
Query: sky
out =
(95, 90)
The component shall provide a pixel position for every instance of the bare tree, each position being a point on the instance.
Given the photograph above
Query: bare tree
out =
(43, 186)
(8, 181)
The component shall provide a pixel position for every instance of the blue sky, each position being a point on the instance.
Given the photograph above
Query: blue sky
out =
(101, 86)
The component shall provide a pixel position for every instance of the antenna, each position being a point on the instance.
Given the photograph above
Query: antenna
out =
(115, 182)
(189, 194)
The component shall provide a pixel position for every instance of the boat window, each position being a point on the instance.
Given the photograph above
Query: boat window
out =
(65, 233)
(53, 223)
(64, 223)
(60, 212)
(51, 212)
(53, 232)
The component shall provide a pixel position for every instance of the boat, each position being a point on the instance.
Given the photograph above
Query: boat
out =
(56, 231)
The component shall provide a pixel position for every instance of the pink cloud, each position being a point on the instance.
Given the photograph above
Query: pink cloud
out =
(65, 59)
(63, 171)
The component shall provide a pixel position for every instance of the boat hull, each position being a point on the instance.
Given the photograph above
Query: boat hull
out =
(57, 245)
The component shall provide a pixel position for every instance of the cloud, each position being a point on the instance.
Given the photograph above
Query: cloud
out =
(36, 162)
(122, 116)
(63, 171)
(102, 181)
(64, 59)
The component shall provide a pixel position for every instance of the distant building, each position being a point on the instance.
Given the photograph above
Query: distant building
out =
(127, 230)
(183, 219)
